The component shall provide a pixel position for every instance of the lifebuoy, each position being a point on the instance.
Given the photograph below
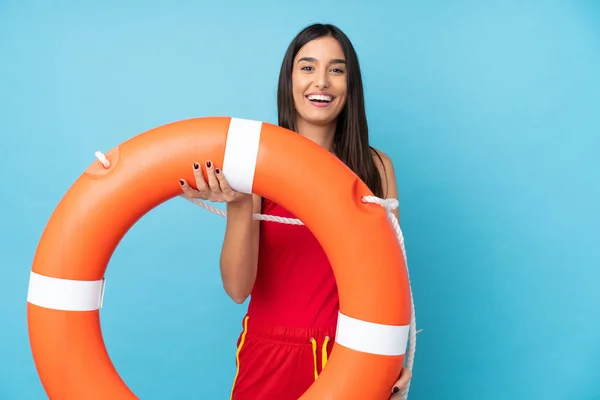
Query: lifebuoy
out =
(67, 279)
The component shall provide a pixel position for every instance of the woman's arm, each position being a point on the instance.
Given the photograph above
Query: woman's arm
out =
(239, 255)
(388, 178)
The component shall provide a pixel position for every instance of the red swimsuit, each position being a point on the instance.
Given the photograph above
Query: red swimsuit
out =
(290, 325)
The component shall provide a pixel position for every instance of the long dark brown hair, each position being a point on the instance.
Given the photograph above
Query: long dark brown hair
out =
(351, 141)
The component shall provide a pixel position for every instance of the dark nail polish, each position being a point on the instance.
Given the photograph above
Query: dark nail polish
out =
(181, 182)
(217, 170)
(208, 164)
(395, 390)
(196, 166)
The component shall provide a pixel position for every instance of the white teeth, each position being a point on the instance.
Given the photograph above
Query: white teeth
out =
(319, 97)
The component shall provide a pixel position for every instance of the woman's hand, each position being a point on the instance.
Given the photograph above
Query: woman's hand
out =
(401, 384)
(217, 188)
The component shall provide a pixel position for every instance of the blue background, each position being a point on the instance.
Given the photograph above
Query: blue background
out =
(489, 110)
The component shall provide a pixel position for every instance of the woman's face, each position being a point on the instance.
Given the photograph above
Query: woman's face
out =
(319, 81)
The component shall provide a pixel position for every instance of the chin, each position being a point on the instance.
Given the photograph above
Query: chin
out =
(317, 117)
(322, 121)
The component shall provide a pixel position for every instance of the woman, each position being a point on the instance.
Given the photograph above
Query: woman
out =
(289, 329)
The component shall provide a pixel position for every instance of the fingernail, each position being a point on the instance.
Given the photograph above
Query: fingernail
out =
(208, 164)
(395, 390)
(217, 170)
(181, 182)
(196, 166)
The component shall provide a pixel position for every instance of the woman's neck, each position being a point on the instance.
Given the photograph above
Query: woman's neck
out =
(321, 134)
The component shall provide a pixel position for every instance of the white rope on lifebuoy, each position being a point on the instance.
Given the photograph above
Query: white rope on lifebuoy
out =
(103, 159)
(388, 204)
(262, 217)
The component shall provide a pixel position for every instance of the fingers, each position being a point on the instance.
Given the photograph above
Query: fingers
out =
(223, 184)
(401, 384)
(405, 376)
(200, 182)
(188, 191)
(207, 189)
(213, 183)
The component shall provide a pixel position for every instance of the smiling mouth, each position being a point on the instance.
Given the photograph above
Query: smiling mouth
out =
(320, 98)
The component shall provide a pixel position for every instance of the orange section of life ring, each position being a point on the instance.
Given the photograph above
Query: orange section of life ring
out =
(66, 286)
